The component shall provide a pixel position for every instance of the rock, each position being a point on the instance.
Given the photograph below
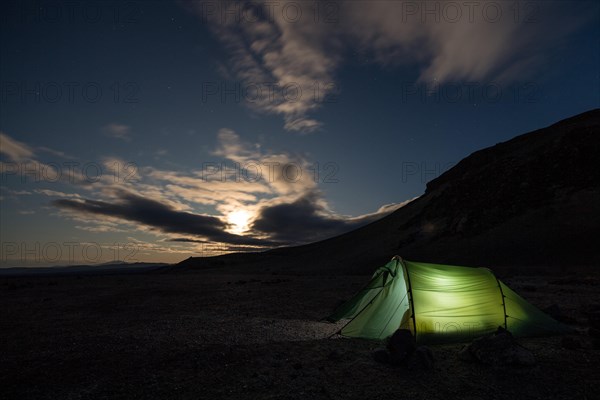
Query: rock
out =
(422, 359)
(499, 349)
(570, 343)
(381, 355)
(401, 346)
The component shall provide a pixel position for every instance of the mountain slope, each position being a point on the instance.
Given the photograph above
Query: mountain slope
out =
(533, 201)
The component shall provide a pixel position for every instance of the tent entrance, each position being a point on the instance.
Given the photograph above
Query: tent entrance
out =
(381, 307)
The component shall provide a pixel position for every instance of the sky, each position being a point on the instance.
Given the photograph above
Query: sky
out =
(151, 131)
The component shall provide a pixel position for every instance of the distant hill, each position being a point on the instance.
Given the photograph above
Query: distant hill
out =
(110, 267)
(533, 201)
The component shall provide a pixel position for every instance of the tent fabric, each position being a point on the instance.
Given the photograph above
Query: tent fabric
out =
(439, 304)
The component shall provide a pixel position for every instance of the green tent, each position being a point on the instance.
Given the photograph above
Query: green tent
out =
(439, 304)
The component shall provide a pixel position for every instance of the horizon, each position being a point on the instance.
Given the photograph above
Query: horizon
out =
(155, 131)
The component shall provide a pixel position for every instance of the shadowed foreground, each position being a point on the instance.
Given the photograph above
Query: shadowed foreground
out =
(207, 334)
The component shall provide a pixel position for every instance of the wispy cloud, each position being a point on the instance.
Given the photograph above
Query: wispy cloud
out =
(16, 192)
(305, 47)
(118, 131)
(27, 212)
(55, 193)
(31, 161)
(13, 149)
(56, 153)
(290, 60)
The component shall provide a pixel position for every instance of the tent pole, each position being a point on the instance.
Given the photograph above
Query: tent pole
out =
(503, 302)
(412, 303)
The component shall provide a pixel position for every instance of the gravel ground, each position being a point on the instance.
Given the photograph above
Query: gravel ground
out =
(209, 334)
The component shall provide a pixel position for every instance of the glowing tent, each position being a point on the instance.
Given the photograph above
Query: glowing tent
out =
(439, 304)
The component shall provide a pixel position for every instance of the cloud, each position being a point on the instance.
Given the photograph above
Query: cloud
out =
(300, 45)
(38, 170)
(13, 149)
(100, 228)
(157, 215)
(299, 221)
(187, 240)
(281, 200)
(283, 63)
(282, 173)
(54, 193)
(231, 147)
(276, 191)
(308, 219)
(15, 192)
(54, 152)
(118, 131)
(473, 41)
(381, 212)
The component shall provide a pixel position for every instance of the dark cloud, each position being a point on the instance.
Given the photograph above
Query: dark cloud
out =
(157, 215)
(304, 220)
(186, 240)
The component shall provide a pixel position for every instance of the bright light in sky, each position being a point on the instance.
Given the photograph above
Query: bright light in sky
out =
(239, 221)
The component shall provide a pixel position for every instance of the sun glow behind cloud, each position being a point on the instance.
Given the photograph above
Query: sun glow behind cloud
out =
(239, 221)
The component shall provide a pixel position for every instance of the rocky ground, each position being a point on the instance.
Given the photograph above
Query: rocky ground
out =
(210, 334)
